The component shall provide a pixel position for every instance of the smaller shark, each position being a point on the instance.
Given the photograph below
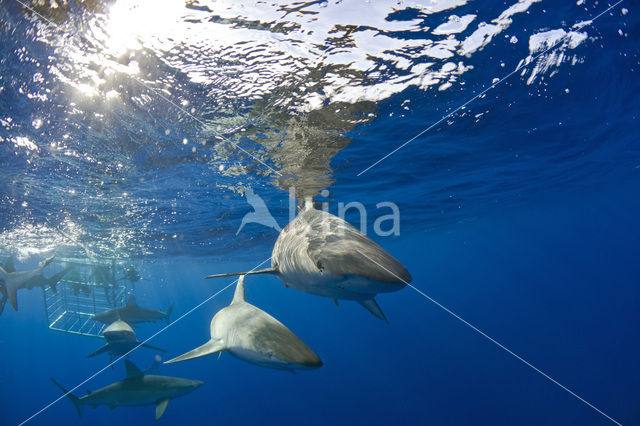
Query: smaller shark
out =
(136, 389)
(13, 281)
(120, 340)
(103, 276)
(254, 336)
(132, 313)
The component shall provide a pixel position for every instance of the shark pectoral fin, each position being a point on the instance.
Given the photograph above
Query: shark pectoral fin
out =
(371, 306)
(211, 347)
(161, 408)
(152, 347)
(252, 272)
(102, 350)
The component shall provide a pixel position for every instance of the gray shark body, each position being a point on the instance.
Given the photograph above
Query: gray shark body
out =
(132, 313)
(12, 281)
(135, 390)
(321, 254)
(121, 340)
(254, 336)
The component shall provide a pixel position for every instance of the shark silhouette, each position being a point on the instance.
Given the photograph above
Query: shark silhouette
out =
(260, 214)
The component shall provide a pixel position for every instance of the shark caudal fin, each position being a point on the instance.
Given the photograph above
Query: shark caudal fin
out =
(166, 314)
(372, 306)
(233, 274)
(12, 294)
(72, 397)
(53, 280)
(211, 347)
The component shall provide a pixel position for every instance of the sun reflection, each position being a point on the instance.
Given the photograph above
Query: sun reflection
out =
(131, 22)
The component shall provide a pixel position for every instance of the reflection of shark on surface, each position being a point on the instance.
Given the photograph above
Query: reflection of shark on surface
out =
(136, 389)
(321, 254)
(254, 336)
(120, 340)
(260, 214)
(12, 281)
(132, 313)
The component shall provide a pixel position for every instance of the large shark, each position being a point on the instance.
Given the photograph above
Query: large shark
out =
(254, 336)
(132, 313)
(13, 281)
(120, 340)
(136, 389)
(52, 281)
(321, 254)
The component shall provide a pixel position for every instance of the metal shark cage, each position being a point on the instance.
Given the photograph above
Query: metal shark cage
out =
(89, 287)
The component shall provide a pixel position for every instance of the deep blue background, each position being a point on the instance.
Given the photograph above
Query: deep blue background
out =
(556, 282)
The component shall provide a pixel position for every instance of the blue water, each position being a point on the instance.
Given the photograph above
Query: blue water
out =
(136, 140)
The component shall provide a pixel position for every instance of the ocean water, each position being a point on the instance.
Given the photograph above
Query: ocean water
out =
(492, 148)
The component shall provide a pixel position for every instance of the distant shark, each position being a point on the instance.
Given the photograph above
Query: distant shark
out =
(132, 314)
(254, 336)
(136, 389)
(102, 275)
(12, 281)
(120, 340)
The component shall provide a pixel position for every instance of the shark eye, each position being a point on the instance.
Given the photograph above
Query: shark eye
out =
(320, 266)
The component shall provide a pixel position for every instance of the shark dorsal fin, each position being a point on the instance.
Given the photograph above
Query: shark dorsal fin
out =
(133, 372)
(238, 296)
(131, 302)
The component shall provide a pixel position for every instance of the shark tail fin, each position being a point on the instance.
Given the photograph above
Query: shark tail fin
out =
(12, 294)
(72, 397)
(253, 272)
(168, 313)
(2, 303)
(372, 306)
(211, 347)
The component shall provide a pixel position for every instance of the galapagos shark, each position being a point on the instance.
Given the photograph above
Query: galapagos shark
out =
(136, 389)
(252, 335)
(132, 313)
(13, 281)
(322, 254)
(52, 281)
(121, 340)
